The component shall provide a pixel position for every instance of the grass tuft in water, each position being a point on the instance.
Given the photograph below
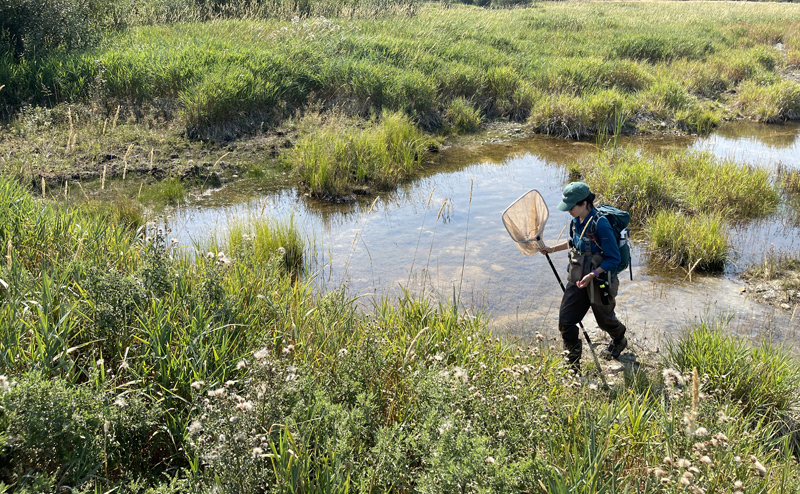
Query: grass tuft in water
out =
(169, 192)
(697, 243)
(338, 157)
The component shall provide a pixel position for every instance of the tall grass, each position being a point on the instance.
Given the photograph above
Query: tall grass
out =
(683, 199)
(694, 242)
(129, 366)
(233, 75)
(695, 182)
(338, 156)
(763, 378)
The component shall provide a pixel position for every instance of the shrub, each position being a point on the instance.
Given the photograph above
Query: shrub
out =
(33, 28)
(75, 433)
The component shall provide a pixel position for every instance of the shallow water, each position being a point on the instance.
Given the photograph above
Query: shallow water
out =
(442, 234)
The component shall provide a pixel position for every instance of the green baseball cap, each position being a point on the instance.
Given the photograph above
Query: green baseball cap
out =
(573, 194)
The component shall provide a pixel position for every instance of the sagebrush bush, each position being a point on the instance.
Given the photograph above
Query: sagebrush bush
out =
(53, 427)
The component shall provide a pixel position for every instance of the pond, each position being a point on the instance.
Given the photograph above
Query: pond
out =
(442, 235)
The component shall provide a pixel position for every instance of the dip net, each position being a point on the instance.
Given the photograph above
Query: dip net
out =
(525, 219)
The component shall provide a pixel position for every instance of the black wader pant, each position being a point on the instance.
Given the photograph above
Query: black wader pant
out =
(574, 306)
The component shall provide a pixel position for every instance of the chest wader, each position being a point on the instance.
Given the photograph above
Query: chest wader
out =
(600, 295)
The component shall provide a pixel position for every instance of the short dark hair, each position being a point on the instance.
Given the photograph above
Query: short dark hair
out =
(589, 200)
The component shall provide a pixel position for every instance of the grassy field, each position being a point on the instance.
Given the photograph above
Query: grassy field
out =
(129, 363)
(129, 366)
(567, 69)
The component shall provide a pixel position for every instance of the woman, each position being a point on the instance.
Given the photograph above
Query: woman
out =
(592, 282)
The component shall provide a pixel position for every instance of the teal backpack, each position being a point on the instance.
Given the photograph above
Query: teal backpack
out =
(618, 219)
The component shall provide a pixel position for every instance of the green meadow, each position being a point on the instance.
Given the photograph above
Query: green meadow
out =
(129, 363)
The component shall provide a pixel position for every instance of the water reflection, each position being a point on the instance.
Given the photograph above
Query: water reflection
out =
(442, 234)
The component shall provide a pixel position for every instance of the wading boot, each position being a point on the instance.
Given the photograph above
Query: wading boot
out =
(614, 349)
(574, 357)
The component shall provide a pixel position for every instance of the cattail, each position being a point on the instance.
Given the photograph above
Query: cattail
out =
(103, 180)
(66, 188)
(140, 190)
(43, 188)
(116, 116)
(151, 158)
(8, 256)
(105, 123)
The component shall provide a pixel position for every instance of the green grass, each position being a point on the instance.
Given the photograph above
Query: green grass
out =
(694, 242)
(762, 377)
(128, 365)
(233, 75)
(337, 155)
(168, 192)
(683, 199)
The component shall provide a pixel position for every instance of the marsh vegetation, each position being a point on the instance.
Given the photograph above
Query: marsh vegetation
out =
(133, 363)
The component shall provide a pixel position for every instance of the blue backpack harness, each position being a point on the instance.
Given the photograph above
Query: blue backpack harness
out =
(618, 219)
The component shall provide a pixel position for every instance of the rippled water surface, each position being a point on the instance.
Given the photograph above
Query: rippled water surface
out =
(442, 234)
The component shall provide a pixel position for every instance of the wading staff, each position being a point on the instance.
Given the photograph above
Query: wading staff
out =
(580, 323)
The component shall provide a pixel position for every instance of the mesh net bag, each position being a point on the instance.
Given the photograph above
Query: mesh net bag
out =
(525, 220)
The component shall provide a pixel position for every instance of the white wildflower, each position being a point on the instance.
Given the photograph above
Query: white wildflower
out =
(244, 406)
(120, 402)
(261, 354)
(759, 469)
(257, 452)
(489, 460)
(195, 426)
(198, 384)
(241, 364)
